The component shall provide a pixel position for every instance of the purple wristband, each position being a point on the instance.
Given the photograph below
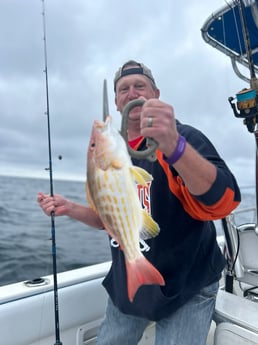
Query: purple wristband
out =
(179, 150)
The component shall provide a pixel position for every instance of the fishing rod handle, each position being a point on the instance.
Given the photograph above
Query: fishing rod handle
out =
(149, 153)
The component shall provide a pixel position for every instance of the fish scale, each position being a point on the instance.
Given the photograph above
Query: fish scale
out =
(115, 204)
(112, 193)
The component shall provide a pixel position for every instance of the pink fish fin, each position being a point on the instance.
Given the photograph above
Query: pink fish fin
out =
(140, 175)
(141, 272)
(89, 198)
(149, 227)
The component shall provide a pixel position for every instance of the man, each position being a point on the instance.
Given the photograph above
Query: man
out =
(191, 187)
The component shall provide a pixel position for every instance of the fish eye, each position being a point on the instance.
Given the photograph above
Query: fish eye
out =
(92, 145)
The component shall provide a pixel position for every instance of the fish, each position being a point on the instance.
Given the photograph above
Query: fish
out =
(111, 192)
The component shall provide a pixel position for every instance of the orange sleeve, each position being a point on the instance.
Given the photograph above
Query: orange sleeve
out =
(194, 207)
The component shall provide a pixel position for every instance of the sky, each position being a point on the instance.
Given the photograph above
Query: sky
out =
(86, 43)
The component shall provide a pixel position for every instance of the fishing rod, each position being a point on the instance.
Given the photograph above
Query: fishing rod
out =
(247, 99)
(246, 40)
(52, 215)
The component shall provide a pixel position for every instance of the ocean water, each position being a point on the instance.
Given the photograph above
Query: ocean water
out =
(25, 231)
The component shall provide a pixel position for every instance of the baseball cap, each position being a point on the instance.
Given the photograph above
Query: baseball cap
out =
(133, 67)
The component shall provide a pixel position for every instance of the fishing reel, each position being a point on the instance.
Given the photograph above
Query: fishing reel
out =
(246, 107)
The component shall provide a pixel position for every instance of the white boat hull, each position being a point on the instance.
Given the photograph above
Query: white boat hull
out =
(27, 312)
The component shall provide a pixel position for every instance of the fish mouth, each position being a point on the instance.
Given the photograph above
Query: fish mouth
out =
(101, 126)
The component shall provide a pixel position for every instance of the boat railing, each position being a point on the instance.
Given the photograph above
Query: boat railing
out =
(243, 214)
(241, 240)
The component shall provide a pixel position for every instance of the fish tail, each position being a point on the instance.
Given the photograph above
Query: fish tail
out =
(141, 272)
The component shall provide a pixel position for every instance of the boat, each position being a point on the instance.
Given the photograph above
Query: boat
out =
(68, 307)
(233, 30)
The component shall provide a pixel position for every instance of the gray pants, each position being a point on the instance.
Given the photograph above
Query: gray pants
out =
(188, 326)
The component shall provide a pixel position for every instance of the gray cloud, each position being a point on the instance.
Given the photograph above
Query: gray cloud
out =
(86, 42)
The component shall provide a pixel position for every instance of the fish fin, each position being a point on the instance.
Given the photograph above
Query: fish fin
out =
(140, 175)
(141, 272)
(149, 228)
(116, 164)
(89, 198)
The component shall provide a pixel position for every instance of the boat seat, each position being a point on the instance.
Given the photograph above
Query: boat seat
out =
(237, 310)
(242, 244)
(230, 334)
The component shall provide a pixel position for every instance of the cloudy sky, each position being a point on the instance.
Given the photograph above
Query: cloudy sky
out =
(86, 42)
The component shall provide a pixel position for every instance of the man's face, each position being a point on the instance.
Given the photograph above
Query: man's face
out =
(132, 87)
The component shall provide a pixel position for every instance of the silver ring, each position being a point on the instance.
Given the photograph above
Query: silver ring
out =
(150, 120)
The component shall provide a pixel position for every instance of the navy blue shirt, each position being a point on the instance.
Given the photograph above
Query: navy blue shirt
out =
(185, 252)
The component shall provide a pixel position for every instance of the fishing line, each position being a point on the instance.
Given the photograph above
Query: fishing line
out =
(53, 237)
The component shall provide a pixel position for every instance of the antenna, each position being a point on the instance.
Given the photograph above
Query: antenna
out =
(56, 307)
